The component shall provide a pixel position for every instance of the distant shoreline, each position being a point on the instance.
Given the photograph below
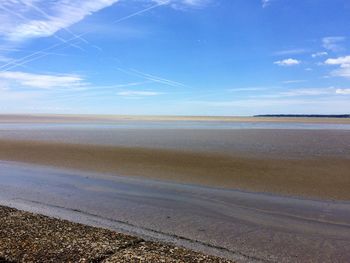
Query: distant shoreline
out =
(304, 115)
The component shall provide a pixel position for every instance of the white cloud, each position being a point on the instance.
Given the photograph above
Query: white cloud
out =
(344, 66)
(138, 93)
(41, 81)
(319, 54)
(287, 62)
(342, 61)
(343, 91)
(333, 43)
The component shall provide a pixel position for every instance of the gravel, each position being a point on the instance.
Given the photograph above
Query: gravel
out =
(27, 237)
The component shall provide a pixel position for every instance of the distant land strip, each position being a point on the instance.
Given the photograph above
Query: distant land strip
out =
(305, 115)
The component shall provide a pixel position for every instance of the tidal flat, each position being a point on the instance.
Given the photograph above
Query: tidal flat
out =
(243, 190)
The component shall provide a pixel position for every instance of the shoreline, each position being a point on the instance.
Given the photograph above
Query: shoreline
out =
(28, 237)
(323, 177)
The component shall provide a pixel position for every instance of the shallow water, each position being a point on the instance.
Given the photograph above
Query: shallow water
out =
(234, 223)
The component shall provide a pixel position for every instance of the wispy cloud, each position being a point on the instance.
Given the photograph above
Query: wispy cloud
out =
(334, 44)
(293, 81)
(341, 72)
(319, 54)
(343, 91)
(41, 81)
(179, 4)
(265, 3)
(248, 89)
(138, 93)
(287, 62)
(295, 51)
(307, 92)
(61, 14)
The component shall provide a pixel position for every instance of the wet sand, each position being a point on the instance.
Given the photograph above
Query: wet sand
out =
(318, 177)
(242, 226)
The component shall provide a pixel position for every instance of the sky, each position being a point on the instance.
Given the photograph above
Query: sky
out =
(175, 57)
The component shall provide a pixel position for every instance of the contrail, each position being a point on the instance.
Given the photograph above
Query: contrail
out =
(24, 60)
(15, 64)
(30, 55)
(28, 51)
(140, 12)
(66, 42)
(159, 78)
(153, 78)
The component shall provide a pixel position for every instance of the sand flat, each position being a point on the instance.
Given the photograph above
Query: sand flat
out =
(321, 177)
(59, 118)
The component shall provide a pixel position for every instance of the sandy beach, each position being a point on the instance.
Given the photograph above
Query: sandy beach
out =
(311, 177)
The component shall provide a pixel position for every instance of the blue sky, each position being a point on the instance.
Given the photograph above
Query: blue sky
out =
(176, 57)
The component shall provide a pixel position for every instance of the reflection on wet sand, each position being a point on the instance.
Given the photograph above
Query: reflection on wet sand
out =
(243, 226)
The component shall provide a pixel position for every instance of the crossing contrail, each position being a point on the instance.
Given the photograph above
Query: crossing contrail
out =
(153, 78)
(41, 11)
